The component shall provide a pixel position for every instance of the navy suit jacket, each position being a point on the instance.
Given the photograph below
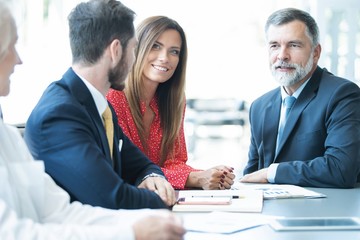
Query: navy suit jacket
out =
(320, 146)
(66, 131)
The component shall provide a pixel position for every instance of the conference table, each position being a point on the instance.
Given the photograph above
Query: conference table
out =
(338, 203)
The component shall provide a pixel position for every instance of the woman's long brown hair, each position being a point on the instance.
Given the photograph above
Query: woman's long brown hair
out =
(170, 94)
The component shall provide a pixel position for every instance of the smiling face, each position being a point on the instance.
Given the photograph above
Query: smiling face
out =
(163, 57)
(9, 57)
(292, 55)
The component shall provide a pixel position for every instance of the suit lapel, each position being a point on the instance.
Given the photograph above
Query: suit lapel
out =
(80, 92)
(270, 126)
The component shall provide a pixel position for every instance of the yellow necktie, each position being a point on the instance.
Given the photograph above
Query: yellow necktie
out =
(109, 128)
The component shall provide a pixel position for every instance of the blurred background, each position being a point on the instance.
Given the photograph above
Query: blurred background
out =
(227, 63)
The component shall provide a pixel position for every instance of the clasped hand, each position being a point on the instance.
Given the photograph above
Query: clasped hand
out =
(219, 177)
(161, 187)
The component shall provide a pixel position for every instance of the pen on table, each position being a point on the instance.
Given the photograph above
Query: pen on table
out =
(212, 196)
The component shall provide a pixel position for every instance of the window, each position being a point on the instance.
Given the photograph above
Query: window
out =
(225, 40)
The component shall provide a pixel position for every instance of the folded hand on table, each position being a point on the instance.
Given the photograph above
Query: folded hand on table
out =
(162, 187)
(259, 176)
(219, 177)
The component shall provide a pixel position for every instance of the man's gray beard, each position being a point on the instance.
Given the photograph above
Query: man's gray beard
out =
(289, 79)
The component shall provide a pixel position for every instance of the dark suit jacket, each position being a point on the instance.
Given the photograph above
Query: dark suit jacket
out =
(66, 131)
(320, 146)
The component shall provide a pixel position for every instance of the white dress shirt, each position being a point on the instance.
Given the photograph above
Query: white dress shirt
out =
(33, 207)
(273, 167)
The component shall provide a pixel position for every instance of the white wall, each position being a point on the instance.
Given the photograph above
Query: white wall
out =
(225, 39)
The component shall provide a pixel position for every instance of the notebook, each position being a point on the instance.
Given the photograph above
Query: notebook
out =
(220, 200)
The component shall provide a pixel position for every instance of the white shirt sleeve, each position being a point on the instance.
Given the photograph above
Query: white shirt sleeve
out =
(13, 227)
(52, 216)
(272, 172)
(70, 221)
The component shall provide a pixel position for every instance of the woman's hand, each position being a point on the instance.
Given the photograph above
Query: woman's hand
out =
(219, 177)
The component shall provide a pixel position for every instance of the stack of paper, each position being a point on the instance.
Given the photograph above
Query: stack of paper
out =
(275, 191)
(241, 201)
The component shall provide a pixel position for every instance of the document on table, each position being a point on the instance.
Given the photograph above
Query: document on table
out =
(276, 191)
(241, 201)
(223, 222)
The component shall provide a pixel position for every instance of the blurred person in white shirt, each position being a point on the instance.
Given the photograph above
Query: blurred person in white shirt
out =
(32, 206)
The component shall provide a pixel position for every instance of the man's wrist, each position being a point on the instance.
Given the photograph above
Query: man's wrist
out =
(152, 175)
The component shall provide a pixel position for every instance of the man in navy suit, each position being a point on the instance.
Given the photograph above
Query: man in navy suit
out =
(320, 141)
(66, 129)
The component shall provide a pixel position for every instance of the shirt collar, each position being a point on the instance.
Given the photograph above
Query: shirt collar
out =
(100, 102)
(296, 93)
(153, 105)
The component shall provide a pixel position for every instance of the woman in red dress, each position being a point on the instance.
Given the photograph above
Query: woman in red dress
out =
(152, 106)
